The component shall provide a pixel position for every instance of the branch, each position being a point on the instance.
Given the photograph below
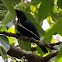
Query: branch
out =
(18, 53)
(48, 57)
(24, 38)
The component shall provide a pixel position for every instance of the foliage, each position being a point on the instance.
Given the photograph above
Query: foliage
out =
(37, 11)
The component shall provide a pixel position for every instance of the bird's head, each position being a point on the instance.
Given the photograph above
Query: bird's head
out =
(20, 14)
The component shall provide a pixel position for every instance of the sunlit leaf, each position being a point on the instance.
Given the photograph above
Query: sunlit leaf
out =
(44, 10)
(33, 8)
(12, 30)
(53, 40)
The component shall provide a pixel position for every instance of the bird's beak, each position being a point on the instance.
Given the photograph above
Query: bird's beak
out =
(16, 10)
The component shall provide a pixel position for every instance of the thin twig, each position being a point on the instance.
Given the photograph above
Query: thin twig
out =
(50, 2)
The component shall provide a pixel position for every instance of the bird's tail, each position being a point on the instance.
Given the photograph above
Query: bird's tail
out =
(43, 49)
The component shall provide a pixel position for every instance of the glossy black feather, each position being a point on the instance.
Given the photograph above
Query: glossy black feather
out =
(29, 25)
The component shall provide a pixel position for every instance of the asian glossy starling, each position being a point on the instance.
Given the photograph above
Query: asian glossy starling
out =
(31, 29)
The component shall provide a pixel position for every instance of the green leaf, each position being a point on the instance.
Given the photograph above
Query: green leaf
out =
(48, 34)
(40, 51)
(35, 3)
(44, 10)
(2, 7)
(15, 0)
(7, 18)
(58, 26)
(0, 1)
(4, 42)
(24, 45)
(40, 30)
(9, 6)
(11, 11)
(1, 17)
(59, 55)
(59, 3)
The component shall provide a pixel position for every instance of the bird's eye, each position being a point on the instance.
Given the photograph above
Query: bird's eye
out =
(19, 12)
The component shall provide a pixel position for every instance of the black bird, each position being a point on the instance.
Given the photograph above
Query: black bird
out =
(29, 29)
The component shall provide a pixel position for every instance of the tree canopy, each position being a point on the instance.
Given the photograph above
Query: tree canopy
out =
(37, 11)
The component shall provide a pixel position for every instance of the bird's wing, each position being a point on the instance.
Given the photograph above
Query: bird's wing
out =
(31, 27)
